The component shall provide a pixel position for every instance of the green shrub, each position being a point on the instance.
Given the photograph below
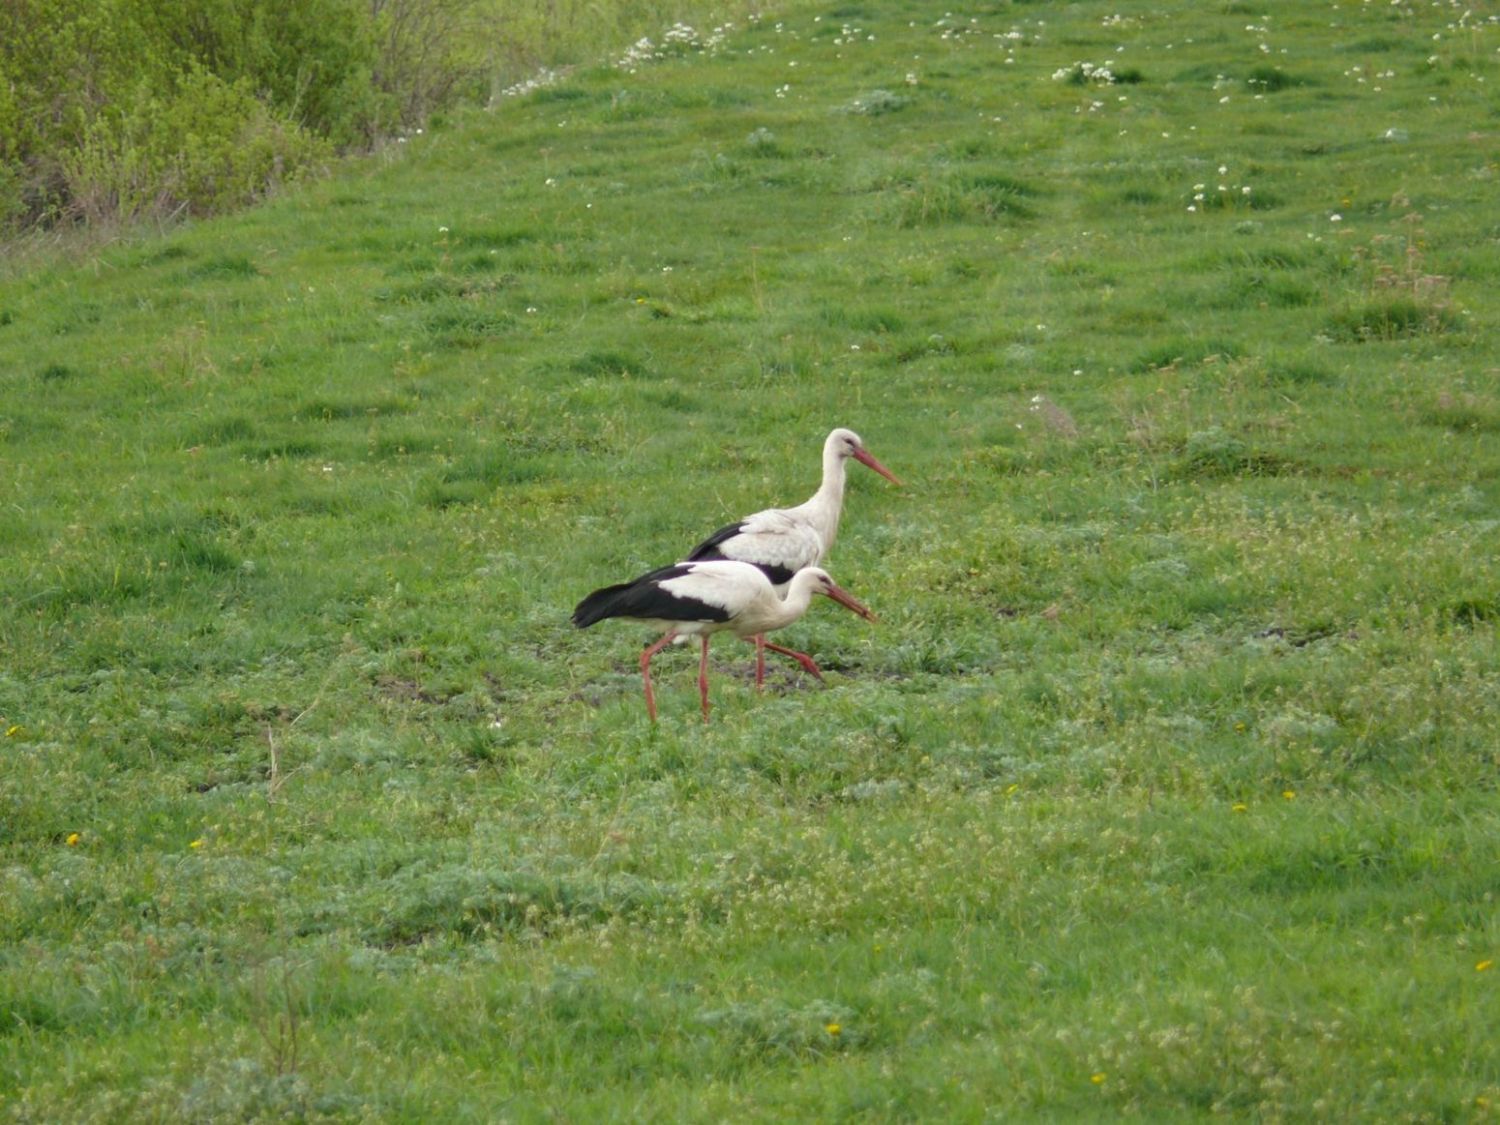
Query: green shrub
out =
(10, 153)
(1390, 318)
(209, 147)
(121, 108)
(309, 62)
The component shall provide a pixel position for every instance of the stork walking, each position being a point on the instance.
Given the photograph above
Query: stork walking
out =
(703, 598)
(783, 541)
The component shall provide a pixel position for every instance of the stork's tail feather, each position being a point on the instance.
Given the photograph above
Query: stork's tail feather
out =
(599, 605)
(641, 597)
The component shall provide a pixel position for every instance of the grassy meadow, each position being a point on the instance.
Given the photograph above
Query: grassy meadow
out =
(1164, 788)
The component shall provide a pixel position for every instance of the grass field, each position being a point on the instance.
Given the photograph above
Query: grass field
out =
(1166, 785)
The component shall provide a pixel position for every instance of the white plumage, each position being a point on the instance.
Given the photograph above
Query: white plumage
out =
(783, 541)
(707, 597)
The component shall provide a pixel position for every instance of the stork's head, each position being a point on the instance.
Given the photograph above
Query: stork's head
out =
(846, 443)
(821, 583)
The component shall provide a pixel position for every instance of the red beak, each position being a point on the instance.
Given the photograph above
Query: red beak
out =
(865, 458)
(848, 601)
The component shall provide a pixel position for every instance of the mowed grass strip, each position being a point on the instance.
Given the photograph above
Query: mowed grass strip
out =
(1164, 785)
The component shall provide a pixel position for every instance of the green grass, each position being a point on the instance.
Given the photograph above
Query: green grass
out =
(1165, 787)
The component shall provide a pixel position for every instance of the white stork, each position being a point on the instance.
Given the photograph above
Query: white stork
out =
(703, 598)
(782, 541)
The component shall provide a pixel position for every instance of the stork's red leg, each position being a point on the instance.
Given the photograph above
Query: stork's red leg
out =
(652, 650)
(703, 677)
(761, 644)
(800, 657)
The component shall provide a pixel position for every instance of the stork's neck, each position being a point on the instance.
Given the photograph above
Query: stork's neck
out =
(825, 505)
(783, 611)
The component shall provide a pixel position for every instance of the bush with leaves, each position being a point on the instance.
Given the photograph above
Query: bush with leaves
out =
(123, 109)
(208, 146)
(117, 109)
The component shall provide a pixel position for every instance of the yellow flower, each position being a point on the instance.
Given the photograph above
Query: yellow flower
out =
(73, 838)
(1288, 793)
(1240, 806)
(1484, 966)
(13, 730)
(1098, 1078)
(196, 844)
(1011, 788)
(833, 1029)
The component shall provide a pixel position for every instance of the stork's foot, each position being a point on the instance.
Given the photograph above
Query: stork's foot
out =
(800, 657)
(807, 662)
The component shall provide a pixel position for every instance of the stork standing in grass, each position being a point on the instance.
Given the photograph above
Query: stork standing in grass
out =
(783, 541)
(703, 598)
